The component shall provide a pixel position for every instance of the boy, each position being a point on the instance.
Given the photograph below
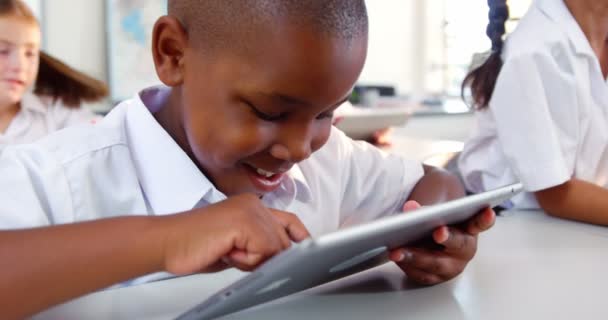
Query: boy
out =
(244, 126)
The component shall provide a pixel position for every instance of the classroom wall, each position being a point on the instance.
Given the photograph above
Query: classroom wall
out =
(74, 31)
(397, 45)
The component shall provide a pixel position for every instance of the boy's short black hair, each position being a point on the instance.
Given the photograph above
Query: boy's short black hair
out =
(226, 23)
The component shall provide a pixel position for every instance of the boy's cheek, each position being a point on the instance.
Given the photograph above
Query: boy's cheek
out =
(322, 137)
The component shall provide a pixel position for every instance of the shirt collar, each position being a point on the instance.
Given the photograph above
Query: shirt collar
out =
(33, 103)
(171, 182)
(301, 191)
(557, 11)
(293, 187)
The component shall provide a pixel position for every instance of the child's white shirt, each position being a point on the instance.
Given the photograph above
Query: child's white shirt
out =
(548, 117)
(128, 165)
(41, 115)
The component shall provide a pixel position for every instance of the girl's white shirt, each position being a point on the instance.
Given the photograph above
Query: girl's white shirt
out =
(41, 115)
(547, 121)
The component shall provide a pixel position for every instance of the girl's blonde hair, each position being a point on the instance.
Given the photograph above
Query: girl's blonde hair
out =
(55, 78)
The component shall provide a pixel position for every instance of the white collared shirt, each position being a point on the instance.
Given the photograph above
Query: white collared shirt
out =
(128, 165)
(548, 117)
(39, 116)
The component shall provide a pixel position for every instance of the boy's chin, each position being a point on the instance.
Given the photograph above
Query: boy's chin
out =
(245, 189)
(252, 190)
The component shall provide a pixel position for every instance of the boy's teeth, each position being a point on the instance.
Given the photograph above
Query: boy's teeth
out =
(265, 173)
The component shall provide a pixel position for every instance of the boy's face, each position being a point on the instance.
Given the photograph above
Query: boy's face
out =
(247, 118)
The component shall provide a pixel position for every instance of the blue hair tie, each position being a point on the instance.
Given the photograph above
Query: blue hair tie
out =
(498, 15)
(496, 3)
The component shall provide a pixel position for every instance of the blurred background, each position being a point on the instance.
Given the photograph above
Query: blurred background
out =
(419, 53)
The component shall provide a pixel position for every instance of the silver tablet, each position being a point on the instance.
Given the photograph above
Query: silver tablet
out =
(341, 253)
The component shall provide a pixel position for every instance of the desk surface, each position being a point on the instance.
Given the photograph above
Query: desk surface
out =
(421, 149)
(529, 266)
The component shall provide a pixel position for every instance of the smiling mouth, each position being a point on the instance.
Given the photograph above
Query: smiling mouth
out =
(264, 181)
(261, 172)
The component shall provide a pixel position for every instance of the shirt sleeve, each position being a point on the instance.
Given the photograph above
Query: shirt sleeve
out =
(33, 189)
(374, 183)
(534, 106)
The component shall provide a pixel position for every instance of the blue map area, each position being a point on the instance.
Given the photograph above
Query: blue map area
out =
(132, 24)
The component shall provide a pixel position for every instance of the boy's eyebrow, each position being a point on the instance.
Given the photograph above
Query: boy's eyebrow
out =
(293, 101)
(284, 99)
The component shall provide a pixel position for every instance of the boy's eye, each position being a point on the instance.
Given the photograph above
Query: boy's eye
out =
(325, 115)
(31, 54)
(266, 116)
(4, 52)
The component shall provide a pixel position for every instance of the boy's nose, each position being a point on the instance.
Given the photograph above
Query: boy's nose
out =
(299, 151)
(295, 146)
(292, 153)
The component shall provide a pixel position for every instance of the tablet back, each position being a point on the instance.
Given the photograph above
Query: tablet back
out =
(341, 253)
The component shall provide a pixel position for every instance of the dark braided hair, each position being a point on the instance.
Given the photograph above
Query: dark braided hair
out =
(482, 80)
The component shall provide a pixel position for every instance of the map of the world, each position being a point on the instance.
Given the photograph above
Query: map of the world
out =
(130, 24)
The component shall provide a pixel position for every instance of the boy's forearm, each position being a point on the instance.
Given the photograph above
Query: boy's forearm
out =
(576, 200)
(437, 185)
(50, 265)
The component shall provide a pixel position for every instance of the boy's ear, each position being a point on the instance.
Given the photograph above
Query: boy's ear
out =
(169, 42)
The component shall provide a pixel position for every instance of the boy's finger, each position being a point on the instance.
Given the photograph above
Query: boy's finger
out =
(292, 224)
(422, 277)
(283, 235)
(427, 261)
(456, 241)
(441, 234)
(482, 222)
(245, 260)
(220, 265)
(411, 205)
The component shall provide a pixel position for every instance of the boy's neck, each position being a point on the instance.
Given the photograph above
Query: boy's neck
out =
(7, 114)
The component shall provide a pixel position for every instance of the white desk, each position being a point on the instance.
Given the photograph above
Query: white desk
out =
(529, 266)
(438, 127)
(420, 148)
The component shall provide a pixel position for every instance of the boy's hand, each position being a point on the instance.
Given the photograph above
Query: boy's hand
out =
(239, 231)
(381, 138)
(456, 247)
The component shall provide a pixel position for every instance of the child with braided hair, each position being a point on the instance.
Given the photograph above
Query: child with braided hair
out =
(542, 109)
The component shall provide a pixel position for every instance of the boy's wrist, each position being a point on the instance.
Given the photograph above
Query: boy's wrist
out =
(155, 238)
